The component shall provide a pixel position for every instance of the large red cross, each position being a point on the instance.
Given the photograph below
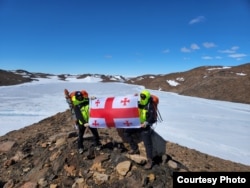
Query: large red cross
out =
(110, 113)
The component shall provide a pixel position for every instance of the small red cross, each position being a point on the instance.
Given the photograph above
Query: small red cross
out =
(125, 101)
(95, 123)
(97, 102)
(127, 123)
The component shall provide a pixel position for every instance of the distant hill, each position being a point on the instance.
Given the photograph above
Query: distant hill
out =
(210, 82)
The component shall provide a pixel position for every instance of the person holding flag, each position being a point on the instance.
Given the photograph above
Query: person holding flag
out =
(147, 115)
(80, 106)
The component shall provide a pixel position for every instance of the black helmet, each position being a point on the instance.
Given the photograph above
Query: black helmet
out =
(79, 96)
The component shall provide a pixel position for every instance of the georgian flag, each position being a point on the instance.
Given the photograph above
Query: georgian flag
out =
(118, 112)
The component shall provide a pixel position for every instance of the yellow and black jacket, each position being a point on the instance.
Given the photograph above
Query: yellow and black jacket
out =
(81, 109)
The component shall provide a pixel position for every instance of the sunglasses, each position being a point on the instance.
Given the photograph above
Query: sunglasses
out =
(79, 97)
(143, 96)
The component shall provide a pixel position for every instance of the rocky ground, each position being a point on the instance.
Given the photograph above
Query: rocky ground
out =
(44, 154)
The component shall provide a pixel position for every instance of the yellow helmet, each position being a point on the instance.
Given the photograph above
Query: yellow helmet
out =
(144, 97)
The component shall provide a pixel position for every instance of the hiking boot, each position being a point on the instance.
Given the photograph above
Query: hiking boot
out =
(80, 151)
(133, 152)
(149, 164)
(91, 153)
(97, 145)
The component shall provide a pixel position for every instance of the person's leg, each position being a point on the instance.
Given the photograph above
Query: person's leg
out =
(147, 140)
(128, 135)
(81, 130)
(96, 136)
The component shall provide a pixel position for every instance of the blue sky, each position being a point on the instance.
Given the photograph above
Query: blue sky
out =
(125, 37)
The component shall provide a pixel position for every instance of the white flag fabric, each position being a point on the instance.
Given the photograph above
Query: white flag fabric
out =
(118, 112)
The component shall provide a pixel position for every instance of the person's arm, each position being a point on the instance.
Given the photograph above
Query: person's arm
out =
(151, 113)
(79, 114)
(150, 117)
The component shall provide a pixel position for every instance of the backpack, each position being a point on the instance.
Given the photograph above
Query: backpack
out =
(68, 96)
(155, 101)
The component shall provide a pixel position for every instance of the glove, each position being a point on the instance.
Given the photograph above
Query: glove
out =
(86, 124)
(76, 127)
(92, 97)
(144, 125)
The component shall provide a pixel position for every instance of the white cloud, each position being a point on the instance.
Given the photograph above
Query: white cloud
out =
(185, 50)
(186, 58)
(165, 51)
(209, 45)
(197, 20)
(207, 57)
(230, 51)
(237, 55)
(235, 48)
(194, 47)
(226, 51)
(108, 56)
